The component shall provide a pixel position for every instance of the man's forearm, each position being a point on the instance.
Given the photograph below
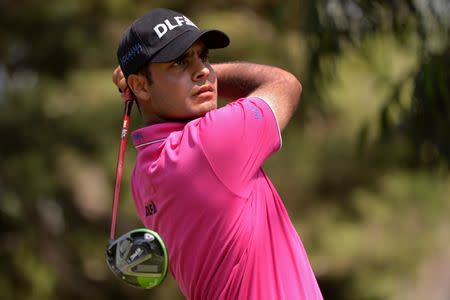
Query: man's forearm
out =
(239, 79)
(235, 80)
(277, 87)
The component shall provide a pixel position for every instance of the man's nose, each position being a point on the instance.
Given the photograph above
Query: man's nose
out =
(201, 70)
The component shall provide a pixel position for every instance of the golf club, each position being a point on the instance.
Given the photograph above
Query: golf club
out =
(138, 257)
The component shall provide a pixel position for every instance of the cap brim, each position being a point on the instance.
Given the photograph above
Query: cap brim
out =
(213, 39)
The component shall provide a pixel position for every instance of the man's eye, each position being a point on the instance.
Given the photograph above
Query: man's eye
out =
(179, 62)
(204, 56)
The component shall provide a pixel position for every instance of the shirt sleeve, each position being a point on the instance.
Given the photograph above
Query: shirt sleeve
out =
(238, 138)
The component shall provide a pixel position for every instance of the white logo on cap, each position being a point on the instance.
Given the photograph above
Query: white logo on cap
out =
(162, 28)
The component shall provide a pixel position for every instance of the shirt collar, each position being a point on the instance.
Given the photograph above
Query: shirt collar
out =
(154, 133)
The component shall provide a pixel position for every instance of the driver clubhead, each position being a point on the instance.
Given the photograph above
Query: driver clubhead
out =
(138, 258)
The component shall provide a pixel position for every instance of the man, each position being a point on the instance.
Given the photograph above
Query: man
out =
(198, 180)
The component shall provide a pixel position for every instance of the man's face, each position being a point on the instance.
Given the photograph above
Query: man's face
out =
(185, 88)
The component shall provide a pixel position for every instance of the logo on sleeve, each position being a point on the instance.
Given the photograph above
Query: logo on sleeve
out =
(255, 110)
(138, 137)
(150, 209)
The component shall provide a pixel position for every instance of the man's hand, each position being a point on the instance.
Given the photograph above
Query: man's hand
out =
(120, 81)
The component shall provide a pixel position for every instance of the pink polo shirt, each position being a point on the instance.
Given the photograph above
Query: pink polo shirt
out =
(201, 187)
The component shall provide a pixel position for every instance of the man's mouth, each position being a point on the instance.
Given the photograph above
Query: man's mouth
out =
(204, 89)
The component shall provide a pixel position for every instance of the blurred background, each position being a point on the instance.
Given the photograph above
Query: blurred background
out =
(364, 169)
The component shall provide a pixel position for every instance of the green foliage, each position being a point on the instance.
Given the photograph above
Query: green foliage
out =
(363, 170)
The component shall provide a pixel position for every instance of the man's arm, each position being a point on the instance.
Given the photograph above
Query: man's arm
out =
(279, 88)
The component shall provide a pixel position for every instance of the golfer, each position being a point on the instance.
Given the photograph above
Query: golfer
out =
(198, 179)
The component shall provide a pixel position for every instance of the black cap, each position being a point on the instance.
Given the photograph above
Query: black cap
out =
(162, 35)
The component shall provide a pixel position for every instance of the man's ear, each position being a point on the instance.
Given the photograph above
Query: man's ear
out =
(139, 85)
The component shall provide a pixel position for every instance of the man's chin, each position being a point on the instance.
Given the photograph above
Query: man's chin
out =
(206, 106)
(194, 115)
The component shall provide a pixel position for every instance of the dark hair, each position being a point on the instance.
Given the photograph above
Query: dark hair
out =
(145, 70)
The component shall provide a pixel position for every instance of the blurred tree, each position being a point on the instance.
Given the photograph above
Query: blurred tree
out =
(332, 23)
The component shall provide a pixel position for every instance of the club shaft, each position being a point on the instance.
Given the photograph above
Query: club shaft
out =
(119, 168)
